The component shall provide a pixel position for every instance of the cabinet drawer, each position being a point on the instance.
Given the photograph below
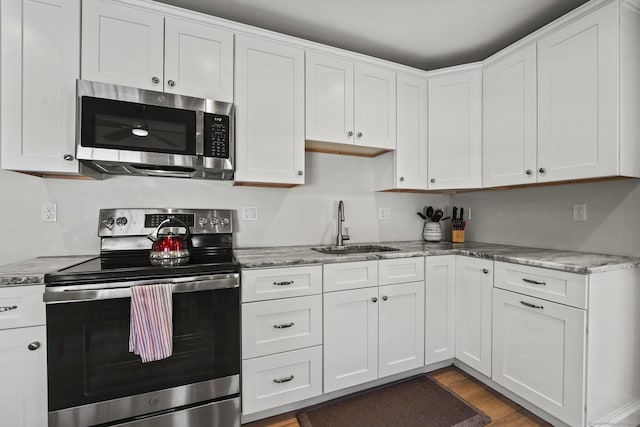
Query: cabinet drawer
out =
(281, 379)
(272, 283)
(400, 270)
(275, 326)
(350, 275)
(21, 306)
(559, 286)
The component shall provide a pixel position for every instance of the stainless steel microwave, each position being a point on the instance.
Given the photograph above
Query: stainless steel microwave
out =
(128, 131)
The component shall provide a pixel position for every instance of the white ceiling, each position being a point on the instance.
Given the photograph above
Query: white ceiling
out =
(425, 34)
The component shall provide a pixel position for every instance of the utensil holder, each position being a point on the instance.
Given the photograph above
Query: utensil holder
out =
(457, 236)
(432, 231)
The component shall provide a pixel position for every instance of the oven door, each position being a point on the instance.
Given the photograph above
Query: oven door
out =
(94, 378)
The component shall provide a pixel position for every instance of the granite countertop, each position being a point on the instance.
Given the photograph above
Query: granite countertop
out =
(31, 272)
(574, 262)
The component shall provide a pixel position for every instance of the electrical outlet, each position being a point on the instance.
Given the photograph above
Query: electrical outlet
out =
(250, 213)
(48, 212)
(384, 214)
(580, 212)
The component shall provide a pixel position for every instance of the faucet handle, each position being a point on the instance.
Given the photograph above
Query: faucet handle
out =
(345, 235)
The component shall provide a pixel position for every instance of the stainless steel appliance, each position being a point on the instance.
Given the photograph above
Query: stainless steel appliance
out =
(128, 131)
(93, 379)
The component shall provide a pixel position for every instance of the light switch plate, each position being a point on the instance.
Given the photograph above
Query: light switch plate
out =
(384, 214)
(250, 213)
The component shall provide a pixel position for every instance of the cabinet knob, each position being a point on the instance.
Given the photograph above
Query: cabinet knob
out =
(68, 157)
(384, 298)
(485, 271)
(359, 135)
(432, 180)
(350, 133)
(155, 80)
(34, 346)
(300, 173)
(528, 171)
(374, 299)
(542, 170)
(401, 178)
(171, 83)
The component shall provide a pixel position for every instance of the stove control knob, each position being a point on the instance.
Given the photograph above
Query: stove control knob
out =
(121, 221)
(215, 221)
(108, 222)
(202, 221)
(225, 221)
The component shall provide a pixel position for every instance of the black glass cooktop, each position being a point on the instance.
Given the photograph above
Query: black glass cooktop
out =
(136, 265)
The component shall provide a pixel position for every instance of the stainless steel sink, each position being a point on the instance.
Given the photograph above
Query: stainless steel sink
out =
(354, 249)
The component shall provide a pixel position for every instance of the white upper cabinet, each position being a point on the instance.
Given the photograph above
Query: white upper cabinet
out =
(349, 102)
(455, 130)
(578, 98)
(139, 47)
(510, 120)
(269, 112)
(40, 56)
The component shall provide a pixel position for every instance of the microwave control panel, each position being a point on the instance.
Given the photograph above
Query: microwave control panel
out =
(216, 135)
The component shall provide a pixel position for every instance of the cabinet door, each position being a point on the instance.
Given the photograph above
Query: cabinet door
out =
(122, 45)
(440, 295)
(269, 112)
(411, 133)
(375, 106)
(198, 60)
(578, 98)
(401, 328)
(40, 56)
(474, 281)
(539, 353)
(23, 391)
(455, 131)
(509, 120)
(350, 338)
(329, 103)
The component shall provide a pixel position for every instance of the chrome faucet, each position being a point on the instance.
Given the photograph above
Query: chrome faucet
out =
(340, 238)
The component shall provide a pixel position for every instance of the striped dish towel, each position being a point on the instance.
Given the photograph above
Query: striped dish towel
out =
(151, 332)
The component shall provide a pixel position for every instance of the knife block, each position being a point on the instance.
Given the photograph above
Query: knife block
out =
(457, 236)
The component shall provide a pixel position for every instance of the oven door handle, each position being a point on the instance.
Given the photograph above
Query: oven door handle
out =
(77, 294)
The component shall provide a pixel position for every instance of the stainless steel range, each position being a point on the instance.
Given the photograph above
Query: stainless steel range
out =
(93, 379)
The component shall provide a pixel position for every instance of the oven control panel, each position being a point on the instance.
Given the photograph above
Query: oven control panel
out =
(142, 222)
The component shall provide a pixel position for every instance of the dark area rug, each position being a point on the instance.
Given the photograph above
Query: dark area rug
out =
(416, 402)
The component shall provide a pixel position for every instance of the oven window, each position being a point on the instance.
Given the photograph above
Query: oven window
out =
(121, 125)
(88, 348)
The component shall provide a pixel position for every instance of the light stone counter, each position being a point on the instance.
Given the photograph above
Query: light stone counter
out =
(32, 271)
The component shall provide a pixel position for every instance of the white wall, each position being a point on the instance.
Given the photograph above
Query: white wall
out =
(298, 216)
(543, 217)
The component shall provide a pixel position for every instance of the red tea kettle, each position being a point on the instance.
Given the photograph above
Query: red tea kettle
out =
(170, 249)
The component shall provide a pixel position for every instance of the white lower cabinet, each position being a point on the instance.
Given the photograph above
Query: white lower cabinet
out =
(538, 352)
(440, 305)
(474, 283)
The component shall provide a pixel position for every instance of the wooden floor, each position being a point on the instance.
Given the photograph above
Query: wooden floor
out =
(502, 411)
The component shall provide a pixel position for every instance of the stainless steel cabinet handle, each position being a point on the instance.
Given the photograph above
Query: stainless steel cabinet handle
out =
(350, 133)
(374, 299)
(284, 325)
(528, 304)
(68, 157)
(485, 271)
(542, 170)
(7, 308)
(155, 80)
(300, 173)
(34, 346)
(284, 283)
(432, 180)
(533, 282)
(283, 380)
(359, 135)
(384, 298)
(401, 178)
(171, 83)
(528, 171)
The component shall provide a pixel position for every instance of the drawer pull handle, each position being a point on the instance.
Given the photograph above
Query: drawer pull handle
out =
(533, 282)
(528, 304)
(285, 283)
(283, 380)
(284, 325)
(3, 309)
